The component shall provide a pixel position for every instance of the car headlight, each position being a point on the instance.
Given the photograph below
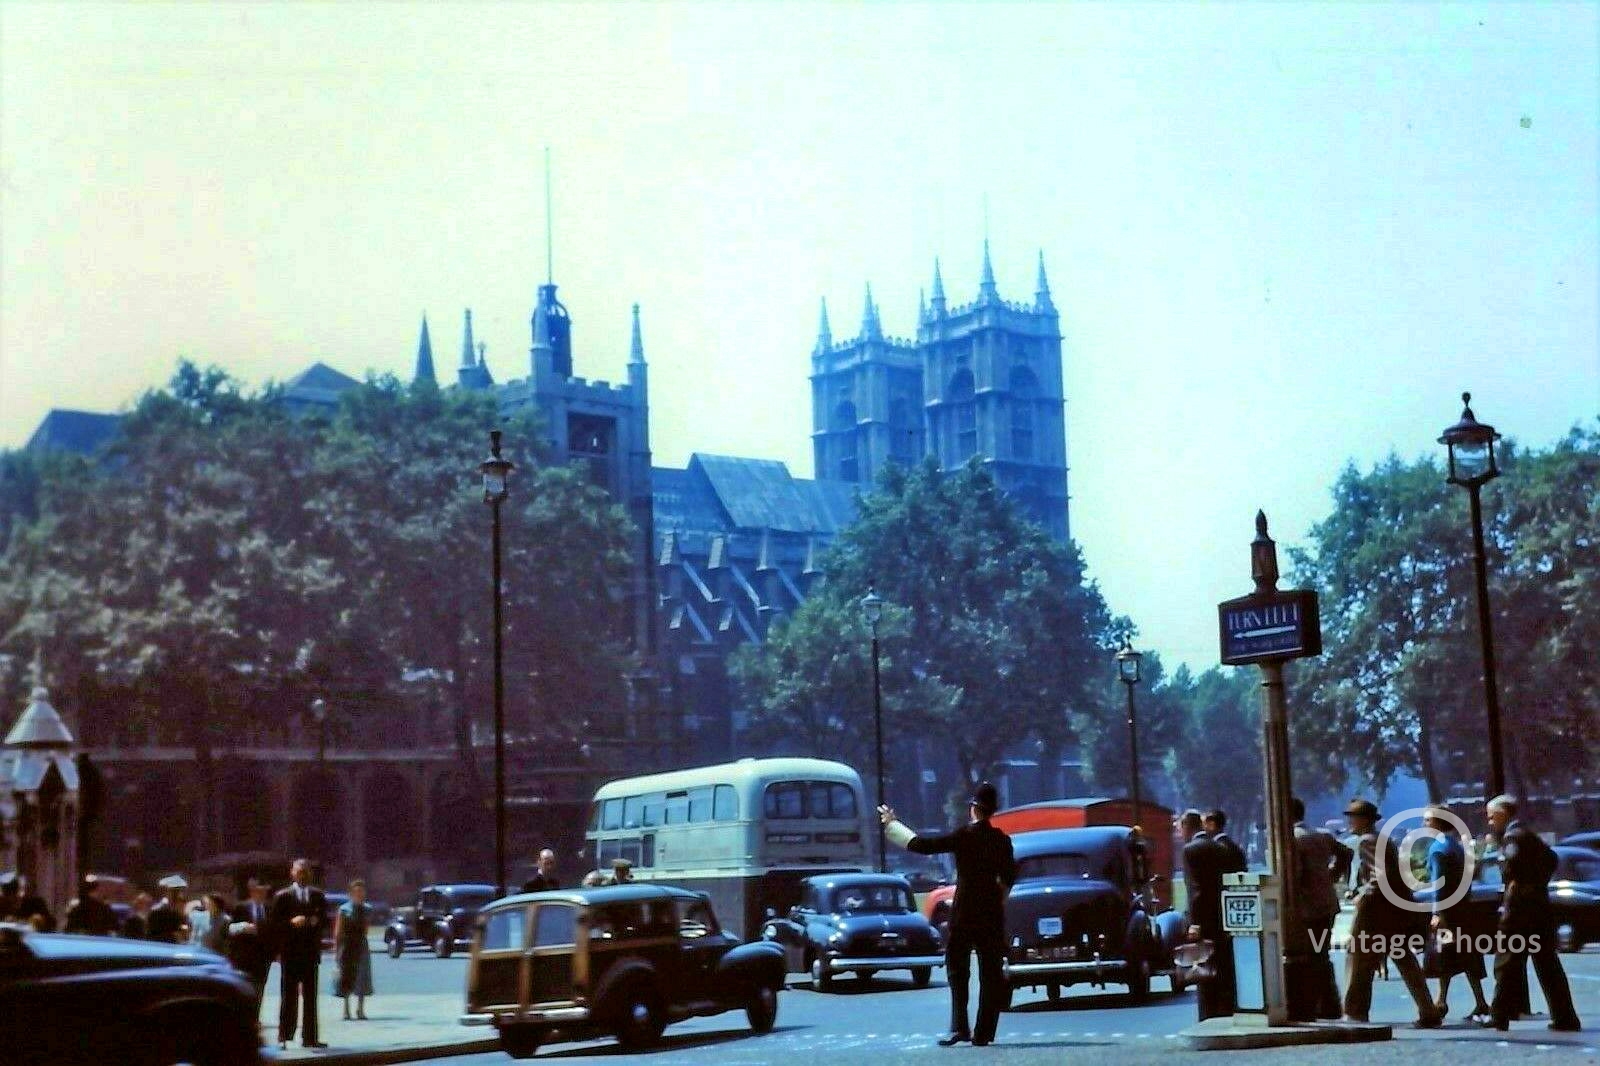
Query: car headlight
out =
(835, 938)
(1565, 892)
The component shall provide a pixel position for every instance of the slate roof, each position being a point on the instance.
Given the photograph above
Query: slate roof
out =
(74, 431)
(761, 494)
(319, 383)
(40, 726)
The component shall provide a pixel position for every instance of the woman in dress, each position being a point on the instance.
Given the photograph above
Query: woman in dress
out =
(208, 923)
(1453, 951)
(351, 951)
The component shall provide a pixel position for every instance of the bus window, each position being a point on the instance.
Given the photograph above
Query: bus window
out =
(842, 801)
(785, 799)
(655, 809)
(611, 816)
(677, 808)
(647, 850)
(633, 812)
(700, 804)
(817, 792)
(725, 807)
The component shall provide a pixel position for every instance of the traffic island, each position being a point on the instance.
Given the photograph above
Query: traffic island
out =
(1241, 1033)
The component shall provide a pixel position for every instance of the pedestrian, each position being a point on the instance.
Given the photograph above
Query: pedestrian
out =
(985, 871)
(136, 926)
(621, 872)
(208, 924)
(1216, 824)
(1527, 925)
(89, 913)
(1451, 950)
(168, 921)
(1382, 927)
(250, 947)
(1204, 863)
(545, 880)
(594, 879)
(1319, 858)
(351, 951)
(298, 913)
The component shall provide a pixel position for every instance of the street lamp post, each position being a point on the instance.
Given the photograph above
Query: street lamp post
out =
(1128, 672)
(319, 712)
(872, 608)
(1470, 446)
(496, 487)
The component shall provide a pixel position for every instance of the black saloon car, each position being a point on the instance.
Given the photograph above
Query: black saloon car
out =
(94, 999)
(856, 923)
(1574, 897)
(1078, 913)
(623, 961)
(443, 919)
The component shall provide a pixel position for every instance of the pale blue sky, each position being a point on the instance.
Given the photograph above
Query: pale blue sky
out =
(1281, 235)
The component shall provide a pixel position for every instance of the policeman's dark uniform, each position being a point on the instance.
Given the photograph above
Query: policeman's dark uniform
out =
(985, 872)
(1526, 865)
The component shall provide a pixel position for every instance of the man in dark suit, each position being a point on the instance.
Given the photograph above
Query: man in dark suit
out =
(545, 880)
(168, 922)
(250, 947)
(1204, 863)
(1382, 927)
(1526, 922)
(296, 922)
(985, 871)
(1319, 858)
(88, 913)
(1216, 825)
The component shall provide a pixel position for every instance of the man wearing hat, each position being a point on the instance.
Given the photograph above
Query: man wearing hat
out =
(167, 922)
(621, 871)
(88, 913)
(985, 871)
(1381, 927)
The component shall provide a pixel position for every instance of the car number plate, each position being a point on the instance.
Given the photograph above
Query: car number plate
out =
(1049, 926)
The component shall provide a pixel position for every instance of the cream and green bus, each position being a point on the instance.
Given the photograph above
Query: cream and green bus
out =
(744, 832)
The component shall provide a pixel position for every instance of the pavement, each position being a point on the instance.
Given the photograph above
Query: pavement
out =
(413, 1017)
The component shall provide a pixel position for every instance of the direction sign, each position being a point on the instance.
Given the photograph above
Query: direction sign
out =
(1268, 626)
(1241, 912)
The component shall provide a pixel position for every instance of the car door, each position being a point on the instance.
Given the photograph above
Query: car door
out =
(701, 946)
(499, 965)
(550, 954)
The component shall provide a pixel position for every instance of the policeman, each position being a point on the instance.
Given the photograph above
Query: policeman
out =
(985, 872)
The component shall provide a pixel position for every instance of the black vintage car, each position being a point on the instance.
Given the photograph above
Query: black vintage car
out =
(624, 961)
(1078, 913)
(856, 923)
(443, 919)
(1574, 897)
(92, 999)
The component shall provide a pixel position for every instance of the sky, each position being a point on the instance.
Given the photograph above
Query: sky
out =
(1282, 237)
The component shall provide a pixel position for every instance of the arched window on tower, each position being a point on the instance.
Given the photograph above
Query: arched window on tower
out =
(844, 424)
(902, 432)
(964, 412)
(1024, 391)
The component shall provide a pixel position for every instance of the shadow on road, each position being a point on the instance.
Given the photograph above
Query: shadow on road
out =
(669, 1042)
(1098, 1001)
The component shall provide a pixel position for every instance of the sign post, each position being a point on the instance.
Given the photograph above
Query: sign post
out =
(1267, 628)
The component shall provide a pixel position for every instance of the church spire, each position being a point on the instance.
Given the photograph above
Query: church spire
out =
(636, 349)
(871, 328)
(922, 305)
(424, 370)
(986, 288)
(824, 331)
(469, 350)
(936, 306)
(1041, 294)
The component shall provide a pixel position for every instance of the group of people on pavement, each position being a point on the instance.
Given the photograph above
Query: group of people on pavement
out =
(1388, 923)
(545, 878)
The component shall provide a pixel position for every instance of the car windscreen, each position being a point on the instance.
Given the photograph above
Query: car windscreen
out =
(1068, 865)
(872, 899)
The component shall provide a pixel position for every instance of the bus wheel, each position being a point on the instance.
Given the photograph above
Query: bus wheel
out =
(821, 979)
(921, 975)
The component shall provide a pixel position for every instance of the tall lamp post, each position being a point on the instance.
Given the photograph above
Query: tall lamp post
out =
(496, 487)
(1128, 673)
(1470, 446)
(872, 608)
(319, 713)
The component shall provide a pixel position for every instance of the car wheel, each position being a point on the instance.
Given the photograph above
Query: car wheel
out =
(762, 1010)
(641, 1022)
(1052, 992)
(921, 975)
(1567, 938)
(821, 979)
(520, 1041)
(443, 945)
(395, 946)
(941, 922)
(197, 1039)
(1139, 981)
